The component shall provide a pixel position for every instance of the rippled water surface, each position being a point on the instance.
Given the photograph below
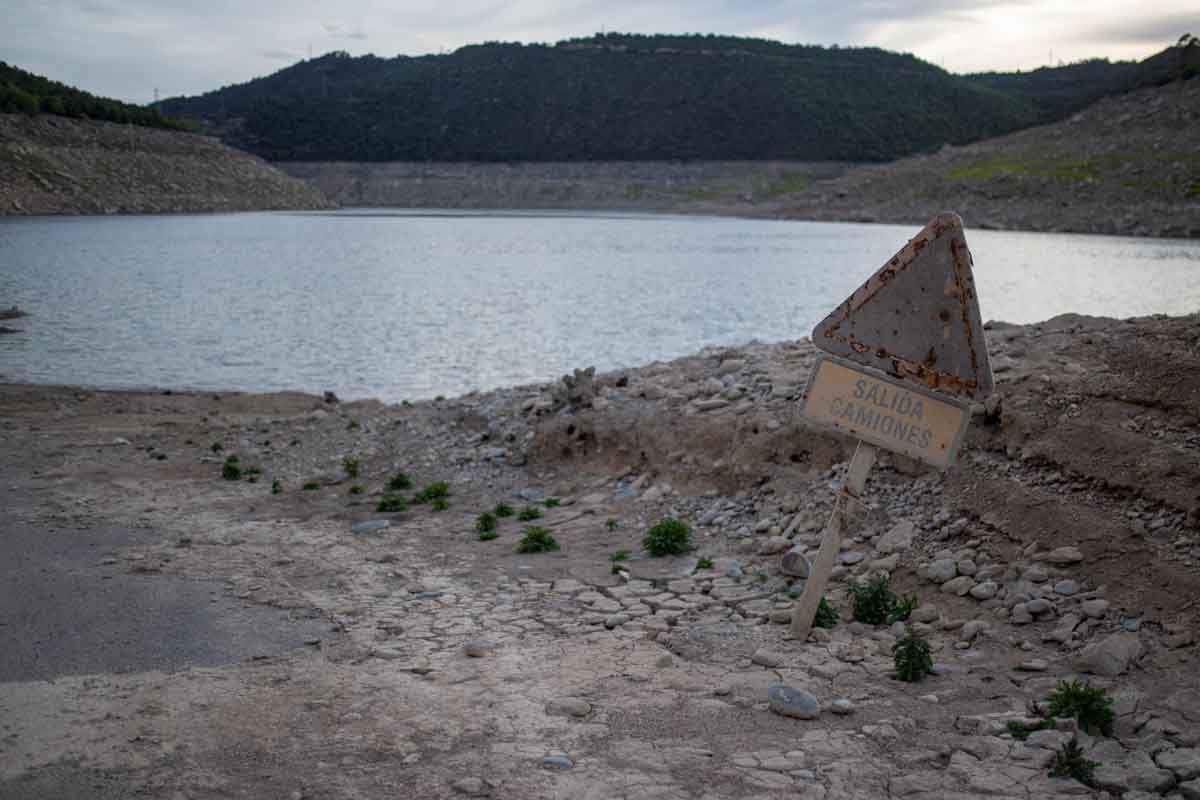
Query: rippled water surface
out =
(408, 305)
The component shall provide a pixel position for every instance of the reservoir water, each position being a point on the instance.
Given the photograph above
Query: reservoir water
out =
(397, 305)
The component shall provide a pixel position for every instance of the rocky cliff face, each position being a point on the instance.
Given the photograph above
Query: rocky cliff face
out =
(55, 165)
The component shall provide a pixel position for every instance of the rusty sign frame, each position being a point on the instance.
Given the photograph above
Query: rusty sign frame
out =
(835, 334)
(879, 375)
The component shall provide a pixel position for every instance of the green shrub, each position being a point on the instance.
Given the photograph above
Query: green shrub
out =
(537, 540)
(1070, 762)
(439, 504)
(231, 470)
(356, 489)
(529, 513)
(552, 502)
(875, 603)
(399, 482)
(619, 555)
(487, 536)
(704, 563)
(668, 537)
(216, 447)
(911, 657)
(392, 503)
(1020, 730)
(311, 486)
(352, 466)
(438, 490)
(503, 510)
(485, 522)
(612, 523)
(1091, 706)
(276, 486)
(826, 616)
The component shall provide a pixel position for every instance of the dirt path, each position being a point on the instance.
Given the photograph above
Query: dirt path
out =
(200, 638)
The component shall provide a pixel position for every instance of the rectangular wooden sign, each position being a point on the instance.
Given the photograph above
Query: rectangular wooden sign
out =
(885, 411)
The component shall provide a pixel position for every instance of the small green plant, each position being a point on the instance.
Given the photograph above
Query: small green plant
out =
(439, 504)
(487, 536)
(668, 537)
(352, 466)
(276, 486)
(529, 513)
(826, 616)
(552, 502)
(620, 555)
(1091, 706)
(311, 486)
(485, 522)
(704, 563)
(252, 472)
(216, 447)
(911, 657)
(438, 490)
(503, 510)
(392, 503)
(612, 523)
(357, 489)
(875, 603)
(1020, 730)
(399, 482)
(353, 426)
(231, 470)
(1070, 762)
(537, 540)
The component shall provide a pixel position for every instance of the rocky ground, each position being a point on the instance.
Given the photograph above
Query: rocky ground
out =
(365, 654)
(56, 165)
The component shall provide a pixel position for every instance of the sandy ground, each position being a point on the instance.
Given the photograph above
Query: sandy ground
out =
(168, 633)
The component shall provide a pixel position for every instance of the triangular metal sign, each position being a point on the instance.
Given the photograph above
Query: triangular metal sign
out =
(917, 318)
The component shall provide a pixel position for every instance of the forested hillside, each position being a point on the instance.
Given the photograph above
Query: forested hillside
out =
(24, 92)
(611, 97)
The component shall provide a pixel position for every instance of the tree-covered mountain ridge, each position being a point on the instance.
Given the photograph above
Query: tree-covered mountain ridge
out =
(636, 97)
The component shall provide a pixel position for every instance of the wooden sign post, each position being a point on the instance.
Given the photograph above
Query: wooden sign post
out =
(907, 352)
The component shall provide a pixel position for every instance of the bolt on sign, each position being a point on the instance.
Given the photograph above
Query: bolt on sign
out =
(905, 355)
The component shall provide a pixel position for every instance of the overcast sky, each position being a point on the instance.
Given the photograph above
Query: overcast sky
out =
(127, 48)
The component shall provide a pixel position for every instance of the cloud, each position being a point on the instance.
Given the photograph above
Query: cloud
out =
(124, 48)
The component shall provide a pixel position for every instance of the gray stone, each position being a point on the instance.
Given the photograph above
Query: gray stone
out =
(1066, 588)
(767, 658)
(1033, 665)
(1036, 574)
(1184, 763)
(984, 591)
(1190, 790)
(615, 620)
(842, 706)
(1187, 703)
(959, 586)
(478, 648)
(557, 762)
(472, 787)
(568, 707)
(971, 630)
(1135, 772)
(791, 702)
(1094, 609)
(926, 614)
(370, 526)
(898, 539)
(1038, 606)
(1065, 555)
(1111, 656)
(967, 566)
(1021, 614)
(852, 557)
(942, 570)
(773, 545)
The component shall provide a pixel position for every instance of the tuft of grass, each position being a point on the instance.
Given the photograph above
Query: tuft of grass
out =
(552, 502)
(357, 489)
(487, 536)
(529, 514)
(276, 486)
(392, 503)
(353, 425)
(485, 522)
(875, 603)
(503, 510)
(1020, 731)
(1090, 705)
(911, 657)
(438, 490)
(439, 504)
(612, 523)
(619, 555)
(311, 486)
(1070, 762)
(352, 465)
(826, 616)
(231, 470)
(704, 563)
(399, 482)
(537, 540)
(668, 537)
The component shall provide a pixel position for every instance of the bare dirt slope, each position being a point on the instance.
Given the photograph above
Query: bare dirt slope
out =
(1066, 543)
(1129, 164)
(56, 165)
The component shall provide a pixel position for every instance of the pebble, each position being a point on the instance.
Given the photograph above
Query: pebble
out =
(852, 557)
(664, 662)
(929, 698)
(971, 630)
(1021, 615)
(842, 706)
(472, 787)
(478, 648)
(942, 570)
(1065, 555)
(1036, 574)
(959, 586)
(1038, 606)
(791, 702)
(1066, 588)
(568, 707)
(985, 590)
(1033, 665)
(370, 526)
(1094, 609)
(557, 762)
(767, 658)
